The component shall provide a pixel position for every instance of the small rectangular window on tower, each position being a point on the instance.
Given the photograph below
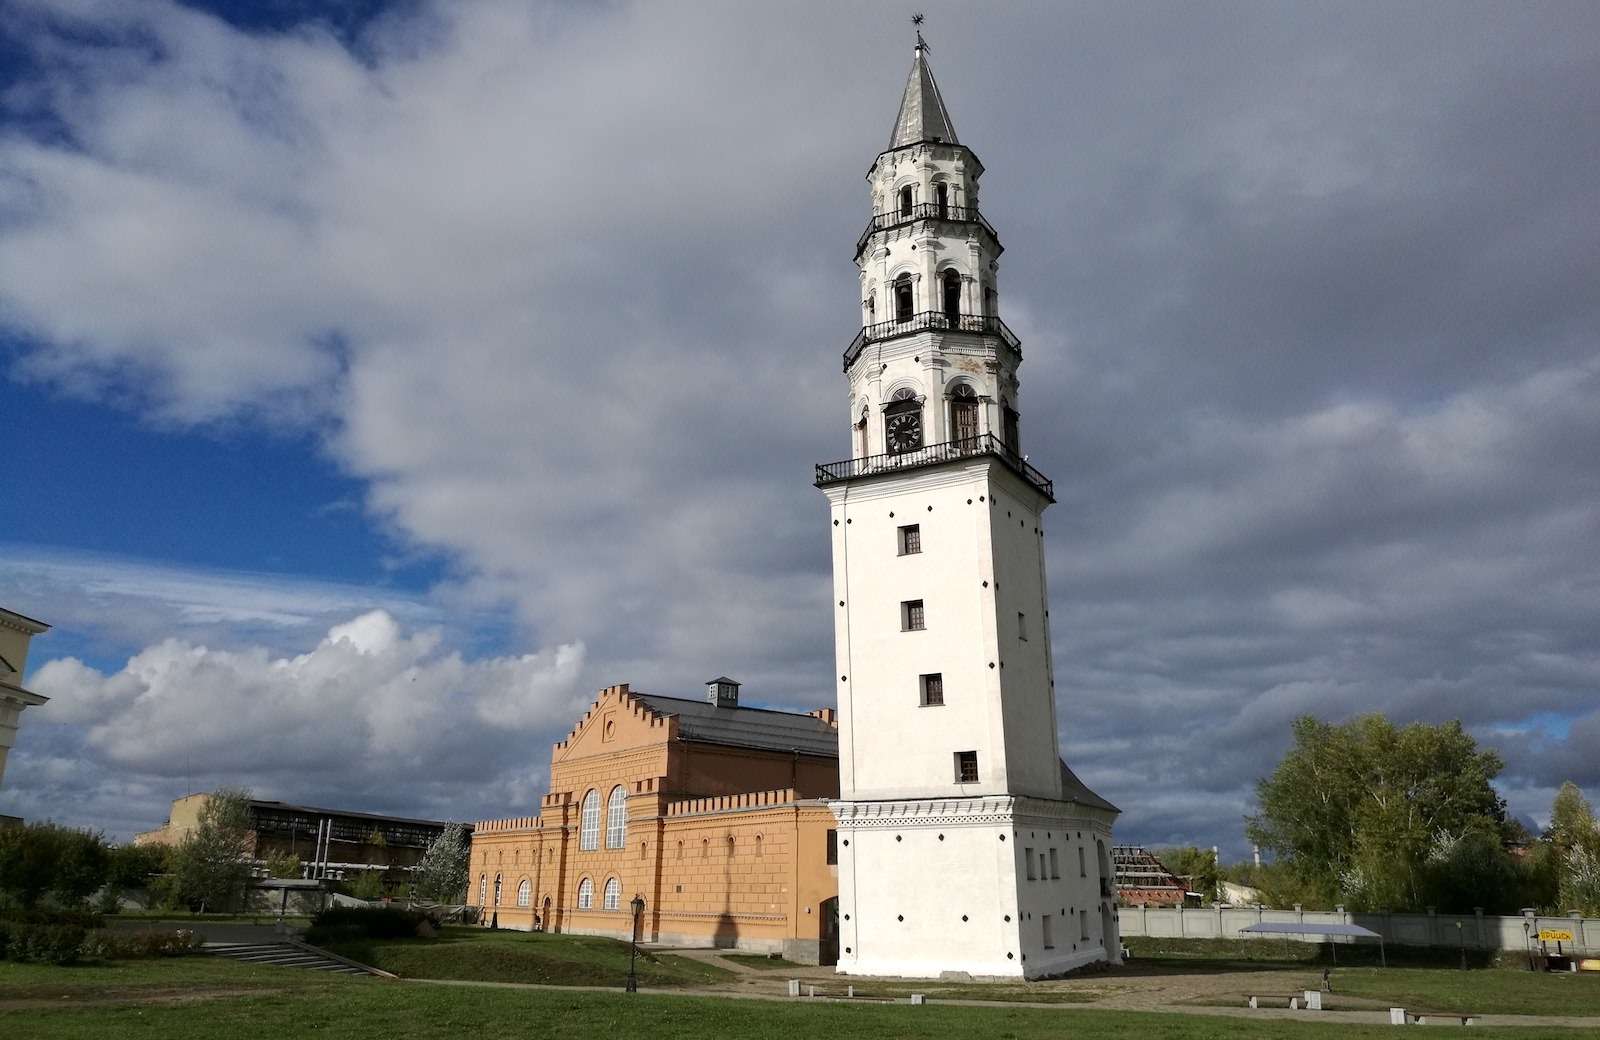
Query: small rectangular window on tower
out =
(966, 767)
(911, 619)
(933, 690)
(1083, 866)
(1027, 862)
(910, 539)
(1055, 864)
(1022, 626)
(1047, 924)
(833, 847)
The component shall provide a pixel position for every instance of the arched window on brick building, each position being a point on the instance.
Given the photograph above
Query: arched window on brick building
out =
(617, 818)
(589, 822)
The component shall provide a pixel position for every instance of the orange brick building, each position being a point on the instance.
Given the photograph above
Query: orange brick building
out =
(714, 814)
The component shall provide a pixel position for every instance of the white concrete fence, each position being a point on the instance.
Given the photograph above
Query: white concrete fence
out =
(1477, 931)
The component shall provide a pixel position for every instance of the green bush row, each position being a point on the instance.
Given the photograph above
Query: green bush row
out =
(346, 924)
(70, 943)
(120, 945)
(42, 943)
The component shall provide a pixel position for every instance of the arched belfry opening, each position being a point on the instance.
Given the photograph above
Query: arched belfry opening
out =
(963, 413)
(941, 199)
(904, 299)
(951, 285)
(906, 202)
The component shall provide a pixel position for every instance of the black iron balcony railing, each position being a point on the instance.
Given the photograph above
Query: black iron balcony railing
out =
(933, 454)
(979, 324)
(924, 211)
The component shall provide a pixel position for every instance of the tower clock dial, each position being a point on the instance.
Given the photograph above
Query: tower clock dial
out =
(904, 432)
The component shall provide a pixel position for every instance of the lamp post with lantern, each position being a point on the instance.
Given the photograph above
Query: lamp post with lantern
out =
(637, 906)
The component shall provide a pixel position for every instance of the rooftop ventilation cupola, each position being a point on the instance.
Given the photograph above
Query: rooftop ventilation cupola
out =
(722, 692)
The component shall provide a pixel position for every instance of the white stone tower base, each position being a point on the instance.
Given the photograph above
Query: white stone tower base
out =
(991, 887)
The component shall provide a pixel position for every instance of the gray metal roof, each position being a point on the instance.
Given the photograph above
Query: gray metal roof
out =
(922, 113)
(758, 728)
(1076, 790)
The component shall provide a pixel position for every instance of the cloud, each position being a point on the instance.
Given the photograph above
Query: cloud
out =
(124, 604)
(1306, 298)
(417, 724)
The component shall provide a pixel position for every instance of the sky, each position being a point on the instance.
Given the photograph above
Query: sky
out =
(382, 380)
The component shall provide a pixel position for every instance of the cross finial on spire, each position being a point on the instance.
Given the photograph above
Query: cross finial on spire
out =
(916, 20)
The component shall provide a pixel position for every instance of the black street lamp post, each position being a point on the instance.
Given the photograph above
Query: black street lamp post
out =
(1461, 937)
(633, 953)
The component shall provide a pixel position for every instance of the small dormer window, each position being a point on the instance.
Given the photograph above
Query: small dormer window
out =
(723, 692)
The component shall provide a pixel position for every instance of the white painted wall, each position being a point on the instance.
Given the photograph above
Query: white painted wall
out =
(890, 746)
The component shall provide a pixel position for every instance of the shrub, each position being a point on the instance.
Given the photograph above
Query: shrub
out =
(348, 924)
(168, 942)
(44, 943)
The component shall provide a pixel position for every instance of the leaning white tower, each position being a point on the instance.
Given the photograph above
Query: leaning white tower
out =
(966, 845)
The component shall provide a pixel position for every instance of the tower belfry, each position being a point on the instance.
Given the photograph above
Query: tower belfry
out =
(965, 842)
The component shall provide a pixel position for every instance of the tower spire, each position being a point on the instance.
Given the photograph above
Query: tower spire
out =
(923, 116)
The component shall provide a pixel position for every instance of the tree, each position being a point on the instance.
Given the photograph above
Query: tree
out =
(1572, 822)
(284, 865)
(1198, 867)
(1575, 841)
(368, 885)
(42, 859)
(1358, 809)
(133, 865)
(212, 863)
(441, 875)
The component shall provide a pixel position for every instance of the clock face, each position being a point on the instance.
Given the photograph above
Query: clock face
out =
(904, 432)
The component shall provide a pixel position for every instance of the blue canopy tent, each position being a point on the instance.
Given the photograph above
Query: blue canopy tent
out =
(1354, 931)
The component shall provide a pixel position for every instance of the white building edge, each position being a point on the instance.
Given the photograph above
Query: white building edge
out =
(966, 845)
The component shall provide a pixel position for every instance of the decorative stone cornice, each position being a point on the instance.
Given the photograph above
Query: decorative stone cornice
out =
(21, 623)
(920, 812)
(21, 698)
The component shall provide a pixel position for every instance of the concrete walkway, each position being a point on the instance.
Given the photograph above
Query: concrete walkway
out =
(1366, 1018)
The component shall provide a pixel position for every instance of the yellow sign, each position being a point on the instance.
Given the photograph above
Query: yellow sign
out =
(1555, 935)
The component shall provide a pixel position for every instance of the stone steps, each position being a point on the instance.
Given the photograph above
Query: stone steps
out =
(281, 955)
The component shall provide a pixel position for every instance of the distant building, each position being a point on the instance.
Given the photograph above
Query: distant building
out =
(1141, 878)
(1240, 895)
(16, 631)
(331, 843)
(714, 814)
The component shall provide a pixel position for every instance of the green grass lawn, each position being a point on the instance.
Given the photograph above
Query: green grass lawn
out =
(554, 960)
(134, 1000)
(1488, 991)
(1507, 990)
